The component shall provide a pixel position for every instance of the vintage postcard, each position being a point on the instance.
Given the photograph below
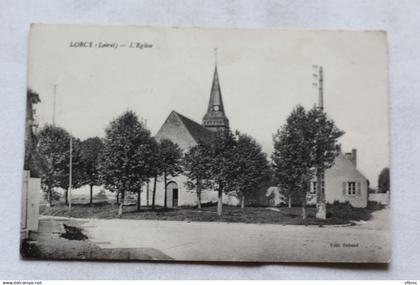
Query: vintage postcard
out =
(206, 144)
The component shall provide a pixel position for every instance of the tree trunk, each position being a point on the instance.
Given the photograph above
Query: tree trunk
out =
(118, 197)
(304, 207)
(120, 208)
(198, 194)
(321, 212)
(49, 197)
(220, 201)
(242, 201)
(154, 193)
(66, 197)
(147, 193)
(165, 203)
(91, 195)
(290, 201)
(139, 200)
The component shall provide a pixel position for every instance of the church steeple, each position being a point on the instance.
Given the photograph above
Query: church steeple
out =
(215, 118)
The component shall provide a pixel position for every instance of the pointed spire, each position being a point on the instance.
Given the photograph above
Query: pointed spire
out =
(215, 101)
(215, 117)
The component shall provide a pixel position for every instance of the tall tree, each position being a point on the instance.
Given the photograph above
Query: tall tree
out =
(223, 168)
(126, 161)
(324, 136)
(252, 166)
(170, 162)
(384, 181)
(291, 156)
(197, 165)
(91, 150)
(54, 147)
(306, 146)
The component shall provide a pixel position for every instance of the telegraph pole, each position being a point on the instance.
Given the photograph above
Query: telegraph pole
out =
(321, 207)
(54, 99)
(70, 170)
(321, 89)
(318, 76)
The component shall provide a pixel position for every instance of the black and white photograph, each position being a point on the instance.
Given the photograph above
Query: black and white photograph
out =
(206, 144)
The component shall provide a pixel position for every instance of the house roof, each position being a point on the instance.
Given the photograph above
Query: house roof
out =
(197, 131)
(350, 163)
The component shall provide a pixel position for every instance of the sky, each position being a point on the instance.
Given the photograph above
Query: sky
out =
(264, 74)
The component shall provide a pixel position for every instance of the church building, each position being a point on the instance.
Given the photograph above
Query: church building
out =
(187, 133)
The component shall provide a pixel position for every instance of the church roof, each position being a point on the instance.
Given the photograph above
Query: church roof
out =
(183, 131)
(197, 131)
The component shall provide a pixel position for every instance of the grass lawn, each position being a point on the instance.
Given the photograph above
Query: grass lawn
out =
(336, 213)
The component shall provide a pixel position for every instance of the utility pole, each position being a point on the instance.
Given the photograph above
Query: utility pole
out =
(54, 99)
(70, 170)
(321, 89)
(321, 206)
(318, 76)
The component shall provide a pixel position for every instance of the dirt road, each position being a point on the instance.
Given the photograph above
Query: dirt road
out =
(365, 242)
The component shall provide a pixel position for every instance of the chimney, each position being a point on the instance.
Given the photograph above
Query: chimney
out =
(354, 156)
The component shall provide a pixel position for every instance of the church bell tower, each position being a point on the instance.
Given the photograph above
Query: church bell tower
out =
(215, 119)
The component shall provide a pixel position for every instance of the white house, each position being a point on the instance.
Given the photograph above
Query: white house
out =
(342, 183)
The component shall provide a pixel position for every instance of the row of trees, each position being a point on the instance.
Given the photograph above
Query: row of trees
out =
(128, 157)
(229, 163)
(53, 156)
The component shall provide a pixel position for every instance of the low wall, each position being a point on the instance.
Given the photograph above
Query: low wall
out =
(381, 198)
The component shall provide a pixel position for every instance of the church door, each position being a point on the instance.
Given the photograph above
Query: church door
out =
(175, 197)
(172, 194)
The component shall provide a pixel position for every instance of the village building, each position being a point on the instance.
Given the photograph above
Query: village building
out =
(343, 182)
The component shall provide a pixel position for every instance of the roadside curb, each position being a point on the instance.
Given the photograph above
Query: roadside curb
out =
(63, 218)
(338, 225)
